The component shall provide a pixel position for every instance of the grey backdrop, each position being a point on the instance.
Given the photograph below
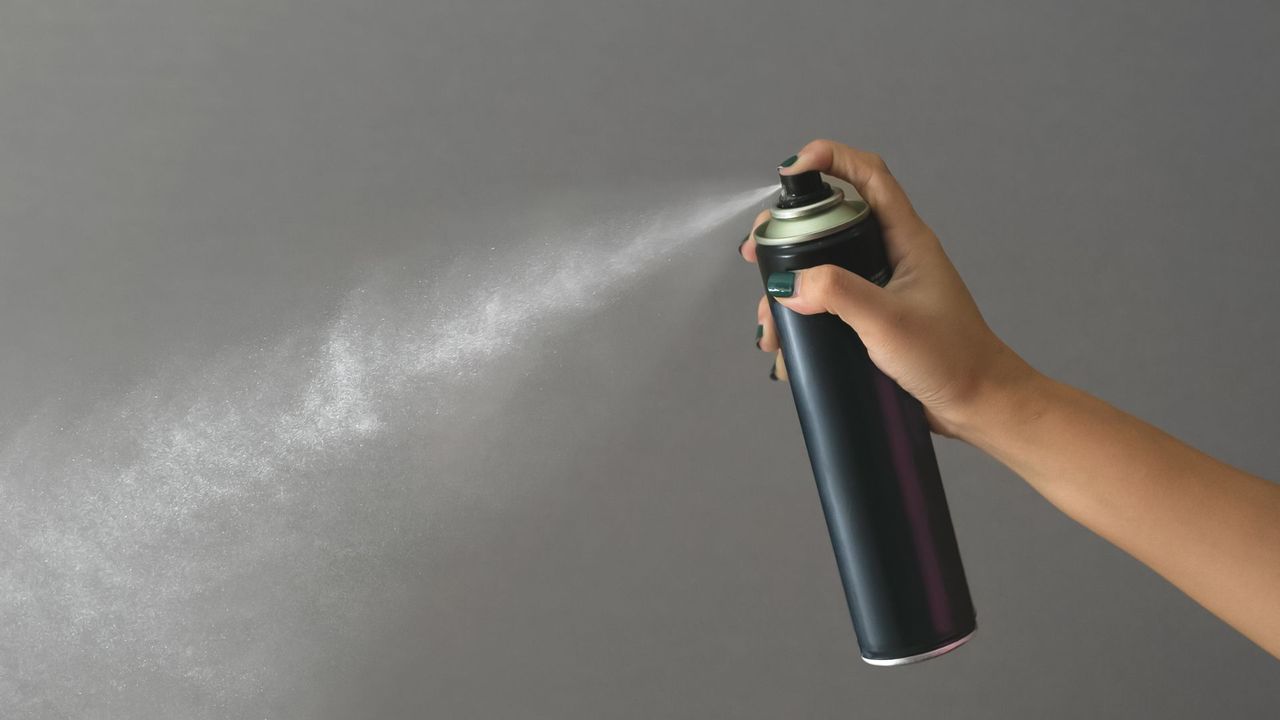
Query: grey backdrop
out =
(228, 229)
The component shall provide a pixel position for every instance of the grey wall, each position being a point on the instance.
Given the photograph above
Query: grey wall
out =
(289, 427)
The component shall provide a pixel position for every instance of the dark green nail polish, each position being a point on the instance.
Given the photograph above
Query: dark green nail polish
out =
(773, 372)
(759, 334)
(781, 284)
(744, 242)
(789, 161)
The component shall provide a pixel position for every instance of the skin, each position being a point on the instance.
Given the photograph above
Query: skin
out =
(1208, 528)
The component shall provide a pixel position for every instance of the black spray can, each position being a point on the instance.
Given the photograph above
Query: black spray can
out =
(868, 441)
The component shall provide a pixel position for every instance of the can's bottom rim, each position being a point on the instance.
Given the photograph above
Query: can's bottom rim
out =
(890, 662)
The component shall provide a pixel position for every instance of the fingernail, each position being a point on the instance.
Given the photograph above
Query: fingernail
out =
(759, 334)
(781, 284)
(773, 372)
(788, 162)
(744, 242)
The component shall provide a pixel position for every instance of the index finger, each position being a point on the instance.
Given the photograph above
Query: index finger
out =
(867, 173)
(748, 249)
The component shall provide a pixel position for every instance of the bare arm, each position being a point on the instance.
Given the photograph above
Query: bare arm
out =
(1208, 528)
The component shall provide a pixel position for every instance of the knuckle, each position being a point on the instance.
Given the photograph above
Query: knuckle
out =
(823, 281)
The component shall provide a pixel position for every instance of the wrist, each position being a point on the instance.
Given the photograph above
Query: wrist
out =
(1010, 396)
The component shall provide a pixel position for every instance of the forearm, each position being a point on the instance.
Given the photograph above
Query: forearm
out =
(1210, 529)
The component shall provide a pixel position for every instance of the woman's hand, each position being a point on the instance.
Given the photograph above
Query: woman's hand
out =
(923, 329)
(1209, 528)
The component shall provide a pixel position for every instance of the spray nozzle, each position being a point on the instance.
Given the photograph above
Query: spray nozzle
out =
(802, 189)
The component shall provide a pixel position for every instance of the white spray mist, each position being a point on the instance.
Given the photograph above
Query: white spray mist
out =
(164, 547)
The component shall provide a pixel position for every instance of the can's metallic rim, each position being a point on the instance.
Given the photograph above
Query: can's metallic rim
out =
(891, 662)
(787, 226)
(765, 240)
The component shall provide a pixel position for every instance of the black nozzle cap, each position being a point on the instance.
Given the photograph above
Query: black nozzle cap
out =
(802, 189)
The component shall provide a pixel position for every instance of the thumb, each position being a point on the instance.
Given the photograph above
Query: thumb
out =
(827, 288)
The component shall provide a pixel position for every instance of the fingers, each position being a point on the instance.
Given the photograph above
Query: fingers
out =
(767, 339)
(747, 249)
(867, 307)
(767, 333)
(867, 173)
(827, 288)
(779, 369)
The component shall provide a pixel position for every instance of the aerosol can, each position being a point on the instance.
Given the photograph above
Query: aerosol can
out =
(868, 441)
